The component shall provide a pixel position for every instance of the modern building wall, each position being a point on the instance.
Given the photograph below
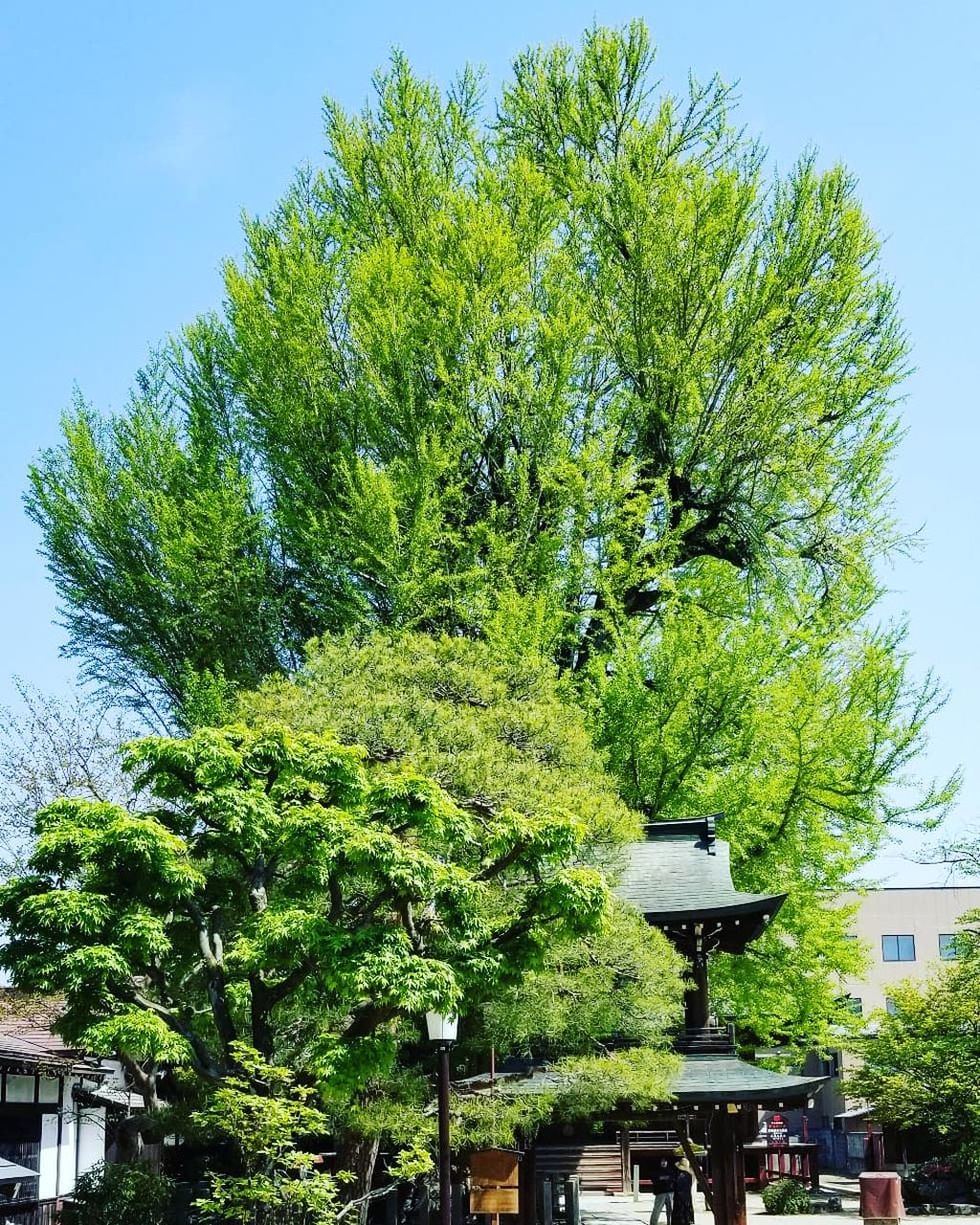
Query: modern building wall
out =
(906, 933)
(902, 929)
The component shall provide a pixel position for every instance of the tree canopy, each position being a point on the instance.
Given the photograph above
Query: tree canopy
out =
(409, 823)
(575, 374)
(582, 351)
(278, 866)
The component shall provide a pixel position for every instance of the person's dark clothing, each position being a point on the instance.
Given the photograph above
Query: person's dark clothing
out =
(663, 1180)
(682, 1211)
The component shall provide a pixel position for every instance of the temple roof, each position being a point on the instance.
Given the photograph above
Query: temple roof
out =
(681, 873)
(705, 1079)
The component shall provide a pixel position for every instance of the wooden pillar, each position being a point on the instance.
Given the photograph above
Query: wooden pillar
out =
(547, 1204)
(527, 1183)
(727, 1169)
(624, 1156)
(696, 996)
(573, 1212)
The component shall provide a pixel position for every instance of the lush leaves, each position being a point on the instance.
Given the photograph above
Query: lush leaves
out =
(109, 1194)
(263, 1117)
(276, 864)
(786, 1197)
(799, 725)
(578, 374)
(567, 356)
(620, 985)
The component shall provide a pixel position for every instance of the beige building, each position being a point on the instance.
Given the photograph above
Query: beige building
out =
(909, 933)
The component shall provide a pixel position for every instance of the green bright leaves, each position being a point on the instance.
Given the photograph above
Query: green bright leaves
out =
(920, 1067)
(574, 374)
(281, 866)
(565, 358)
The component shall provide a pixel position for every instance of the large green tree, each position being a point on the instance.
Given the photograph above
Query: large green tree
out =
(578, 373)
(577, 352)
(284, 888)
(408, 823)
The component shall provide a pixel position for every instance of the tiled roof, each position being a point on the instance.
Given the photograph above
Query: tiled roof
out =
(26, 1034)
(683, 872)
(726, 1078)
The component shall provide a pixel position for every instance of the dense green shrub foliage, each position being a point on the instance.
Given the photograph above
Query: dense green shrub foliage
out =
(124, 1194)
(786, 1197)
(920, 1064)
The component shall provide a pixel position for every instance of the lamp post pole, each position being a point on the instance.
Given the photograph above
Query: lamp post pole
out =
(445, 1163)
(442, 1030)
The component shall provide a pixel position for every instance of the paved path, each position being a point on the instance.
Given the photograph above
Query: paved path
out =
(624, 1210)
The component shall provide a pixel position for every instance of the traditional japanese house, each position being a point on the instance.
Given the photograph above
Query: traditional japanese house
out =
(51, 1127)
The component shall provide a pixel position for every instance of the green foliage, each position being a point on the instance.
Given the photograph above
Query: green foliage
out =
(158, 548)
(786, 1197)
(284, 875)
(562, 360)
(623, 983)
(499, 734)
(498, 1121)
(264, 1116)
(799, 726)
(578, 373)
(920, 1066)
(638, 1078)
(119, 1194)
(575, 1087)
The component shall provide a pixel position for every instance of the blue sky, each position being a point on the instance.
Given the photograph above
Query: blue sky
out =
(132, 137)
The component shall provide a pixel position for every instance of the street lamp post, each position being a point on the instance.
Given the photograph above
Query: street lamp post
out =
(442, 1030)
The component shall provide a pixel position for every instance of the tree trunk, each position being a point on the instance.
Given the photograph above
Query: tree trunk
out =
(358, 1155)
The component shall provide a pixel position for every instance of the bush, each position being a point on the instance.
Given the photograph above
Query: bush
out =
(123, 1194)
(786, 1197)
(936, 1182)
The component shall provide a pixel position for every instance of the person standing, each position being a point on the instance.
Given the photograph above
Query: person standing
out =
(663, 1191)
(682, 1208)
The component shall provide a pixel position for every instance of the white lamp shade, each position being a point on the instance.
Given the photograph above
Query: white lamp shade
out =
(441, 1028)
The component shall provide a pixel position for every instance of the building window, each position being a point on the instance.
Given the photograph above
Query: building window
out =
(891, 1007)
(853, 1004)
(831, 1065)
(898, 948)
(948, 946)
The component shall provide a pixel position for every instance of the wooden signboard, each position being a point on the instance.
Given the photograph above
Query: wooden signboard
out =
(494, 1200)
(494, 1181)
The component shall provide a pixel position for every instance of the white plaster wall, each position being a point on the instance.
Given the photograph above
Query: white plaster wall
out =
(48, 1169)
(90, 1138)
(66, 1167)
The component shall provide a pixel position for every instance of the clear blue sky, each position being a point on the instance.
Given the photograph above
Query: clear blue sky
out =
(132, 136)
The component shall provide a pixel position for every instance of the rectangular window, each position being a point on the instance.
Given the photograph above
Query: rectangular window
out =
(853, 1004)
(948, 947)
(891, 1007)
(898, 948)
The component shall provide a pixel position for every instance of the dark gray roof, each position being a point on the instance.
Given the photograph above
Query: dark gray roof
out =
(726, 1078)
(702, 1080)
(681, 872)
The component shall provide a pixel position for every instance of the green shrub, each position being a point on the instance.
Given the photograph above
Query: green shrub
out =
(123, 1194)
(786, 1197)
